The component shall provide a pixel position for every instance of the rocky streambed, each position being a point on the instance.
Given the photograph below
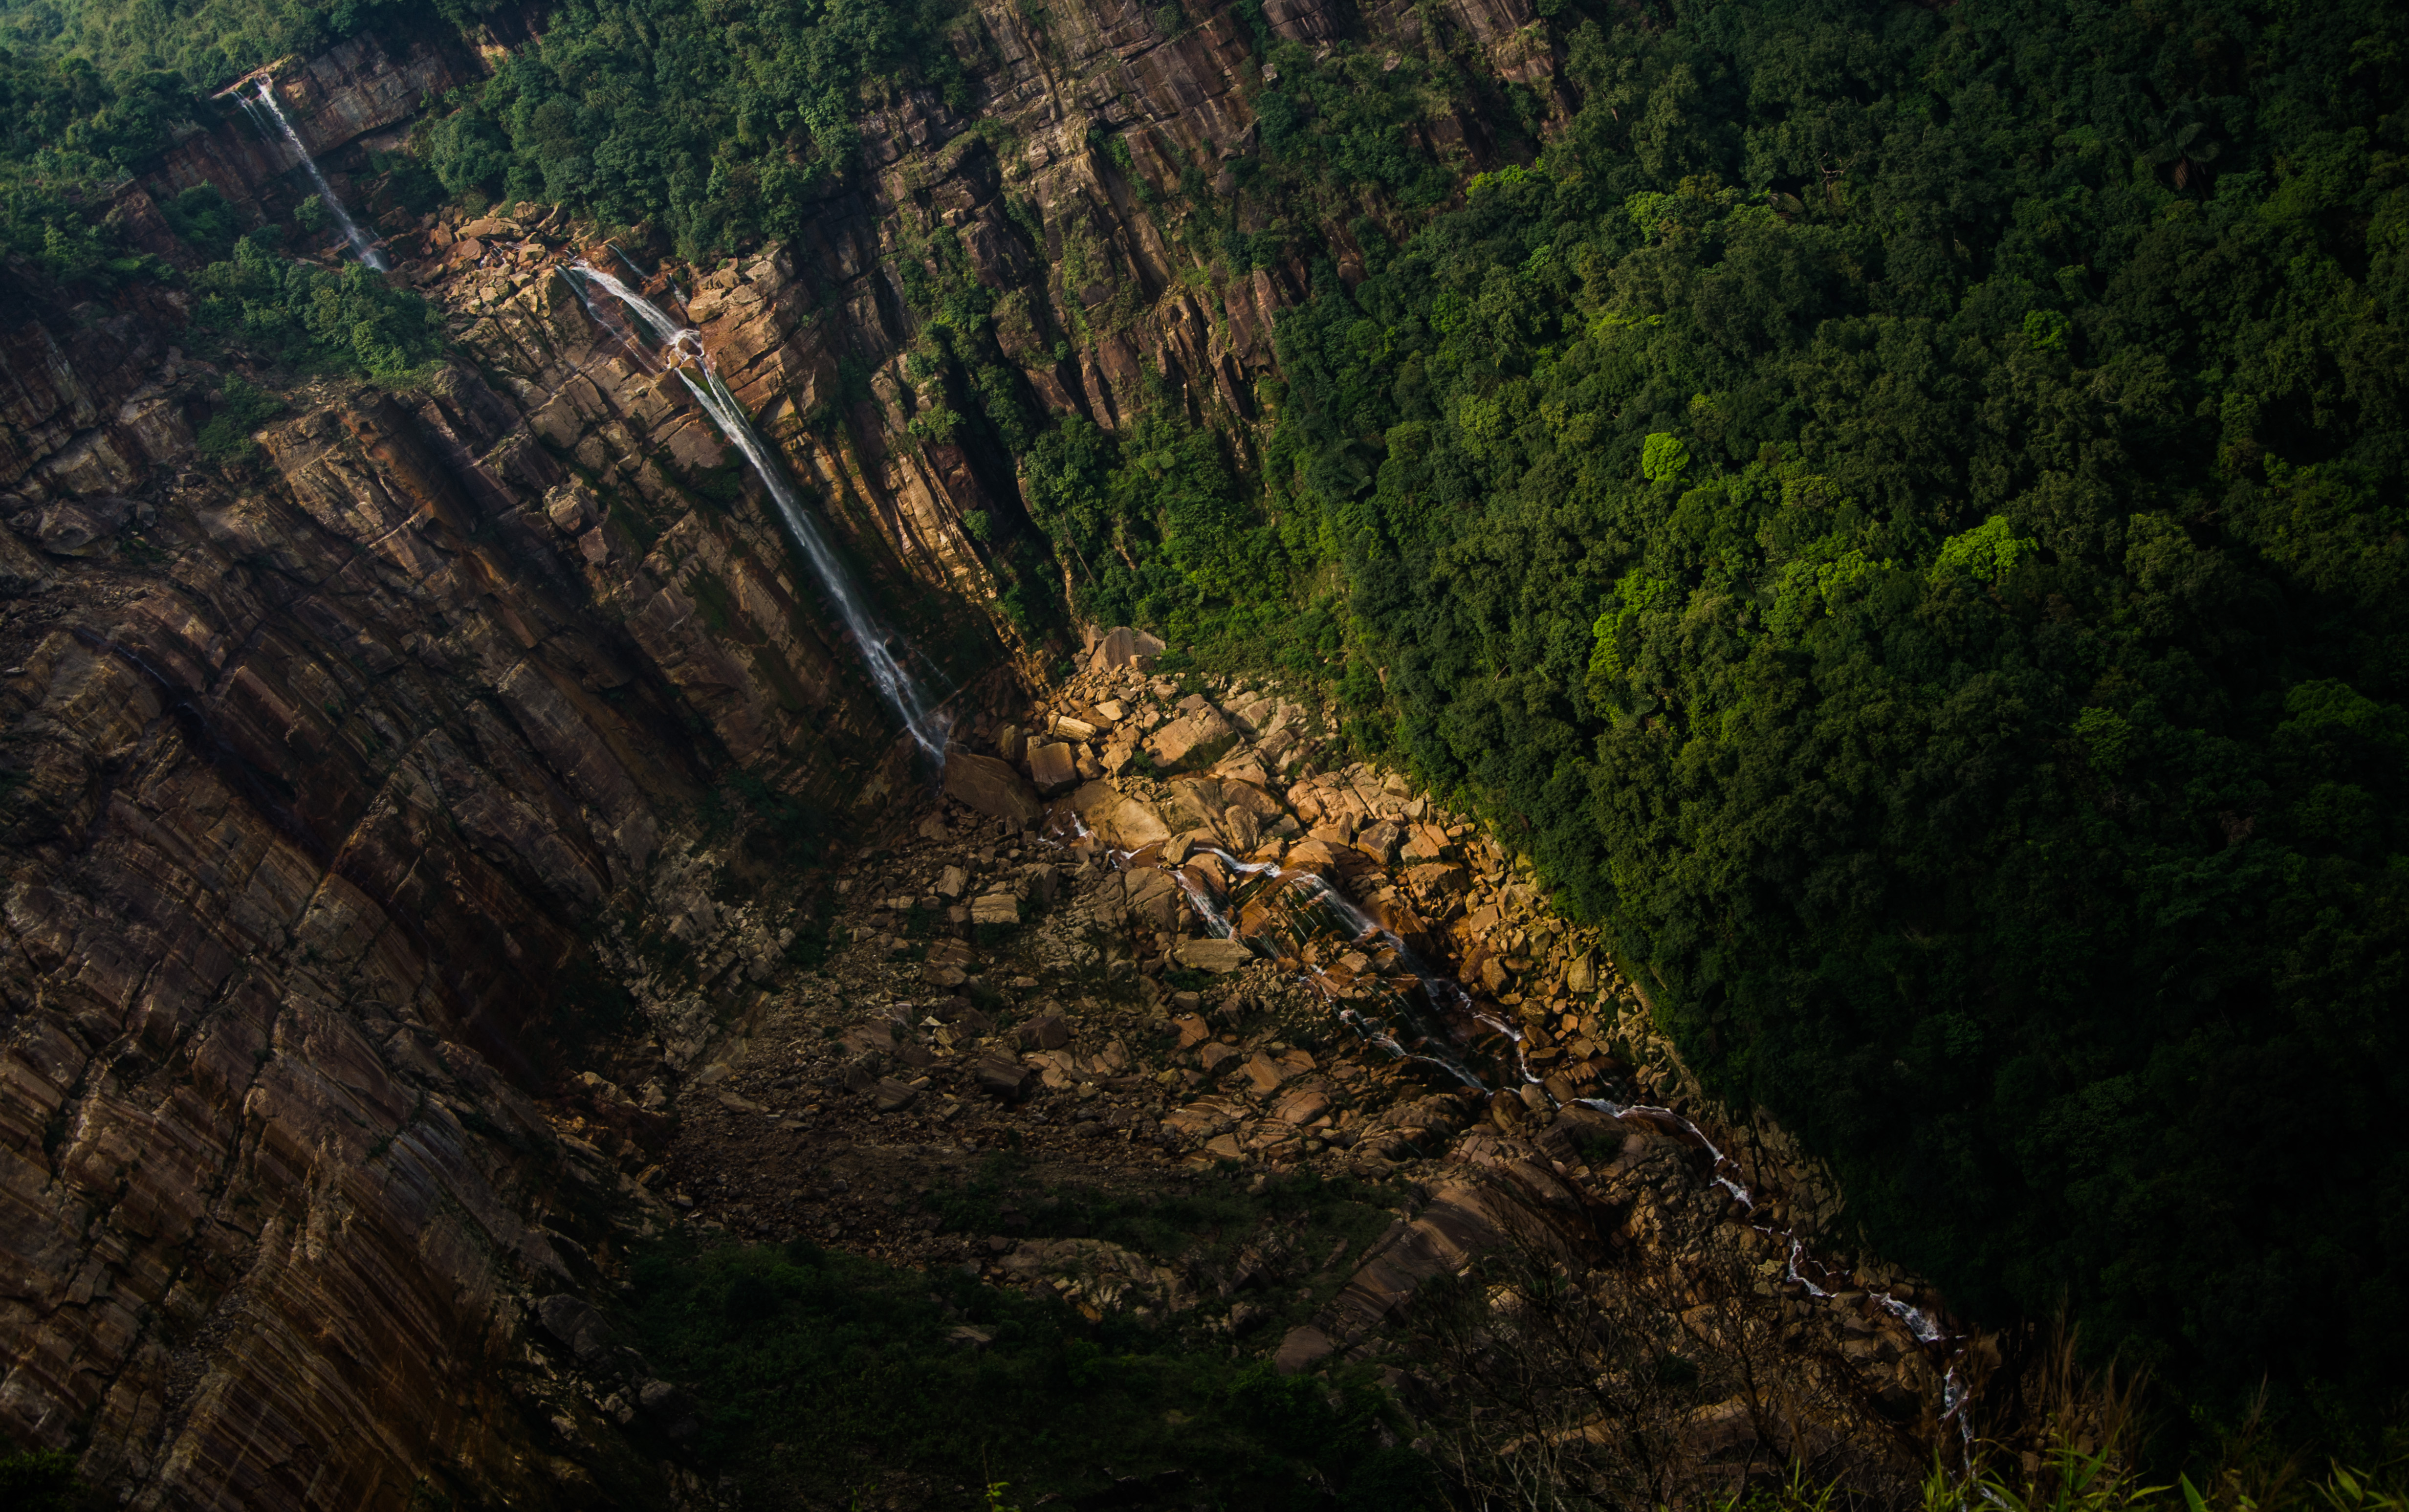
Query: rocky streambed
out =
(1161, 931)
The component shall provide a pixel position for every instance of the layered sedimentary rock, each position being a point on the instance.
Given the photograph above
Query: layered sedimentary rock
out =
(325, 776)
(318, 779)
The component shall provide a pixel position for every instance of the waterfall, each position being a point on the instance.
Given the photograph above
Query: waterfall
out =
(264, 101)
(684, 344)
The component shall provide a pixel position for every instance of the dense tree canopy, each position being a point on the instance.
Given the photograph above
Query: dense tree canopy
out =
(1902, 511)
(720, 122)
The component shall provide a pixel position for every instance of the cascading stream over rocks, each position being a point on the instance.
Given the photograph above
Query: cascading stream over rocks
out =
(926, 724)
(264, 107)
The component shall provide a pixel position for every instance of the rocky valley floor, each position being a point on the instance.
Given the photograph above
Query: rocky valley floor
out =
(1152, 1018)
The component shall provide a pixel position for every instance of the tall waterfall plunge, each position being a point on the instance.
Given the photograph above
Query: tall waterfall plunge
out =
(684, 344)
(265, 109)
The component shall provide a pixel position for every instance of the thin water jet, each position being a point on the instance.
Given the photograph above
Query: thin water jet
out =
(262, 107)
(927, 725)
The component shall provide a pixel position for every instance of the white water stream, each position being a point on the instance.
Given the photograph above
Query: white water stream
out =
(262, 108)
(683, 345)
(1445, 991)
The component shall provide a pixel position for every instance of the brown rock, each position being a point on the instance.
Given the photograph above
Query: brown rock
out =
(1001, 1076)
(1265, 1073)
(992, 787)
(1123, 647)
(1054, 766)
(995, 908)
(1192, 742)
(1047, 1031)
(1302, 1348)
(1122, 820)
(1220, 957)
(1380, 843)
(1301, 1107)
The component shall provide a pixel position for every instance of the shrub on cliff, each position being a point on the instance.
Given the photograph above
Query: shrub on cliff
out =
(316, 318)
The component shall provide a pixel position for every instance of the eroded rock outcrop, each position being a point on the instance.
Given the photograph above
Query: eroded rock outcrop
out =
(323, 788)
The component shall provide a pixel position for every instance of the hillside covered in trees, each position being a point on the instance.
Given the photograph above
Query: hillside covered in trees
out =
(1899, 508)
(1901, 512)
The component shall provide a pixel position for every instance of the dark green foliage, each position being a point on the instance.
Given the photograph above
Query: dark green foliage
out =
(204, 221)
(1163, 532)
(69, 133)
(243, 407)
(312, 319)
(42, 1480)
(410, 183)
(1909, 531)
(816, 1369)
(210, 42)
(719, 125)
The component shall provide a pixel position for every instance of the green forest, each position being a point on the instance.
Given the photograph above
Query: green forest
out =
(1901, 514)
(1897, 508)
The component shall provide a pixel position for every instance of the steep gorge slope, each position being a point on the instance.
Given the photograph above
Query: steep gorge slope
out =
(325, 776)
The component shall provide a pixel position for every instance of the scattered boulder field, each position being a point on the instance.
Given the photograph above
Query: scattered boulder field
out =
(1161, 929)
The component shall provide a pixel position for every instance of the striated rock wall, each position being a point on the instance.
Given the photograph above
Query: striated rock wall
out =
(358, 91)
(315, 784)
(320, 783)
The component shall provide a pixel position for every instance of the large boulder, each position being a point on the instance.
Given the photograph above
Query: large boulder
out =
(1220, 957)
(1001, 1074)
(1055, 768)
(1194, 741)
(1122, 820)
(992, 787)
(1124, 647)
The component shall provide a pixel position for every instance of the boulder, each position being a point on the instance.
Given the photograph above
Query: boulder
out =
(576, 1325)
(1011, 743)
(1001, 1076)
(891, 1096)
(1123, 647)
(995, 908)
(1054, 766)
(1122, 820)
(1380, 843)
(1301, 1107)
(1302, 1348)
(1439, 878)
(952, 882)
(1581, 976)
(1047, 1031)
(1220, 957)
(992, 787)
(1195, 739)
(73, 527)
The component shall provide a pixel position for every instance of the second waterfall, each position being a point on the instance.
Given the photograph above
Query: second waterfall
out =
(684, 344)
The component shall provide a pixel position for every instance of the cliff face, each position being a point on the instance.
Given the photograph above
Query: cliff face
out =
(323, 782)
(317, 782)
